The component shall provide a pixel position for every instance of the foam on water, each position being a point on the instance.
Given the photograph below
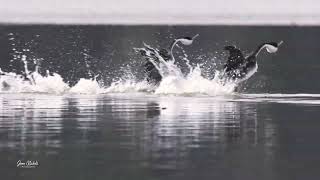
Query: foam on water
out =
(14, 83)
(194, 83)
(86, 86)
(129, 86)
(174, 82)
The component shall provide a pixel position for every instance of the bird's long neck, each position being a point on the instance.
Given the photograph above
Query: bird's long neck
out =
(258, 50)
(174, 42)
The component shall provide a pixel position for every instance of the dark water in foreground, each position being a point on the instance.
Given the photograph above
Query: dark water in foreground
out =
(140, 136)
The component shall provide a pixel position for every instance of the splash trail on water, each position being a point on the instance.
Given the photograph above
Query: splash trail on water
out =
(174, 82)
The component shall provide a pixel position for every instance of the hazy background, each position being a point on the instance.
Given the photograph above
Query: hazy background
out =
(271, 12)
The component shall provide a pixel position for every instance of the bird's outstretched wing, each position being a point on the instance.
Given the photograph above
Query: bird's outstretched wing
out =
(235, 58)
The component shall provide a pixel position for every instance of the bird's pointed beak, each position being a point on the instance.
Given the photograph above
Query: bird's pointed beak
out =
(279, 44)
(195, 36)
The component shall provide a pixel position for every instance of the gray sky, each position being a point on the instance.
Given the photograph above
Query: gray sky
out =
(274, 12)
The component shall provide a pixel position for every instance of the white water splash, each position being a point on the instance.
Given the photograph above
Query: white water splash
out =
(14, 83)
(49, 84)
(34, 82)
(87, 86)
(129, 86)
(175, 82)
(194, 83)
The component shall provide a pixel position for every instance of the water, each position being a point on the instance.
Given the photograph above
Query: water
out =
(73, 99)
(135, 136)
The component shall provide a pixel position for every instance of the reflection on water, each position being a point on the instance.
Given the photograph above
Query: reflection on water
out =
(30, 121)
(140, 137)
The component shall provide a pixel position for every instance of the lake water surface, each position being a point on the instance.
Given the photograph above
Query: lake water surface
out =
(141, 136)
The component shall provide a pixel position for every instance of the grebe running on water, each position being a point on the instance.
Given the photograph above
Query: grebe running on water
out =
(239, 68)
(153, 56)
